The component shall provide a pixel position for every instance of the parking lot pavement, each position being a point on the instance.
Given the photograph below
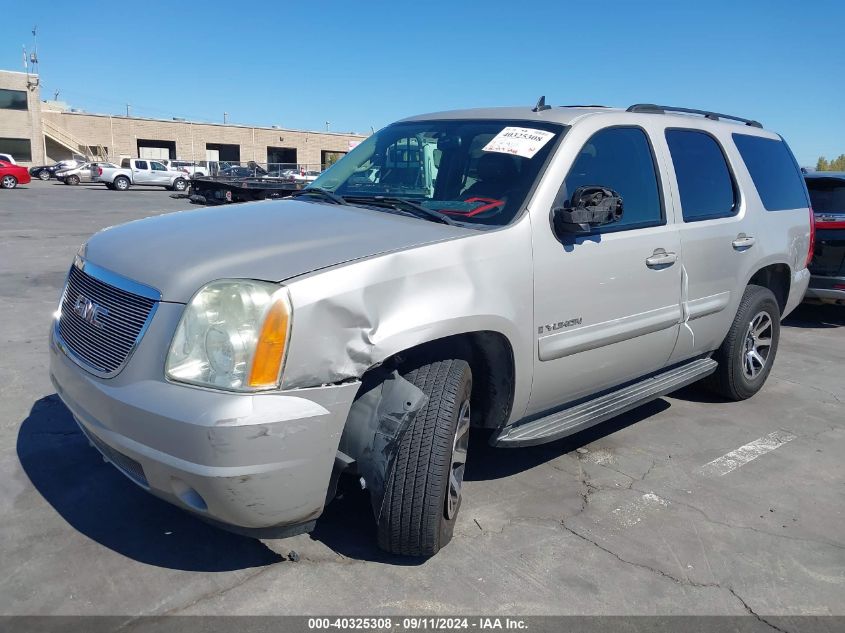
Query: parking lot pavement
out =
(688, 505)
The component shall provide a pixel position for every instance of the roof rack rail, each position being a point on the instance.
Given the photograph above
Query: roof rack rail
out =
(651, 108)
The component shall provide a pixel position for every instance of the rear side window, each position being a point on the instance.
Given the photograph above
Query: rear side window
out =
(141, 164)
(774, 172)
(621, 159)
(827, 194)
(705, 183)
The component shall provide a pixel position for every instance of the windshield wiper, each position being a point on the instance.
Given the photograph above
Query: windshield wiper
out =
(404, 204)
(322, 193)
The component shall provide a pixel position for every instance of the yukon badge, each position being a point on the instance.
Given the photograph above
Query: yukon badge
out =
(89, 311)
(553, 327)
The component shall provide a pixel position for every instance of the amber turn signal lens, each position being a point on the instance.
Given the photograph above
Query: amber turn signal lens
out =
(270, 351)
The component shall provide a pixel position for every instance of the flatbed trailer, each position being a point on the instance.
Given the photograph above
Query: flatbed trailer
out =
(221, 190)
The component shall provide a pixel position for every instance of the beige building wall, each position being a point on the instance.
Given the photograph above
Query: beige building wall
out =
(120, 135)
(23, 124)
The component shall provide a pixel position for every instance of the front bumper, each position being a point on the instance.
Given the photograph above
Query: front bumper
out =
(252, 461)
(826, 290)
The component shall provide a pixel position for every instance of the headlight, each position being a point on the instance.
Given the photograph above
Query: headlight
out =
(232, 335)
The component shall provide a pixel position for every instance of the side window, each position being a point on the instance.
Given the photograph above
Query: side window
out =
(157, 166)
(141, 164)
(705, 183)
(620, 159)
(774, 171)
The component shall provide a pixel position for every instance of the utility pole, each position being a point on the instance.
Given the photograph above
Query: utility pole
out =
(327, 125)
(128, 110)
(225, 118)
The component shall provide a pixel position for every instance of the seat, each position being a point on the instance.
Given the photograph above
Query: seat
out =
(496, 173)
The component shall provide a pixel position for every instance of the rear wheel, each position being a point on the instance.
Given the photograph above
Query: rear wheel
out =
(121, 183)
(748, 352)
(423, 491)
(44, 174)
(72, 180)
(9, 182)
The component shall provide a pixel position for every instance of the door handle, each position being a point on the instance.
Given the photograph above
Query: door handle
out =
(743, 242)
(661, 259)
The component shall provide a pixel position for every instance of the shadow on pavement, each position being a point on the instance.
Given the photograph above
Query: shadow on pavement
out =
(348, 527)
(816, 316)
(102, 504)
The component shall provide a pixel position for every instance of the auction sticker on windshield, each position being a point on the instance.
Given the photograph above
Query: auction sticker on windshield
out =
(519, 141)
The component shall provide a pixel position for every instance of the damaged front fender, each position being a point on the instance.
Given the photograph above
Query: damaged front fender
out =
(374, 429)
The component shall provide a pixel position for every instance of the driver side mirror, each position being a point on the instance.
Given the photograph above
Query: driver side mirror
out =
(589, 207)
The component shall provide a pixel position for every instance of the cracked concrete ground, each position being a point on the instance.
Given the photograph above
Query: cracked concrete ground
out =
(618, 520)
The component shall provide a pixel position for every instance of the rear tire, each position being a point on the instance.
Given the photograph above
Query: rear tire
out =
(748, 352)
(121, 183)
(422, 495)
(72, 180)
(9, 182)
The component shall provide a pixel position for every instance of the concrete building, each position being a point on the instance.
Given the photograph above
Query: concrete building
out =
(45, 132)
(20, 117)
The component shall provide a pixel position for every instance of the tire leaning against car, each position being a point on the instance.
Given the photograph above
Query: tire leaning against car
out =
(9, 182)
(748, 352)
(180, 184)
(121, 183)
(422, 493)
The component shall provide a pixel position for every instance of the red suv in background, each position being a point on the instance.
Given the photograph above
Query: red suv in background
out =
(827, 193)
(12, 175)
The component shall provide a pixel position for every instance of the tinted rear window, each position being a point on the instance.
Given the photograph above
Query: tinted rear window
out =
(705, 183)
(774, 171)
(827, 194)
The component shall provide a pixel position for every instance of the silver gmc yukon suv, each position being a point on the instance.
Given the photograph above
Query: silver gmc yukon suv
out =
(532, 271)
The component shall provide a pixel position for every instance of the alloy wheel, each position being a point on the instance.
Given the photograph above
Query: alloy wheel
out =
(758, 344)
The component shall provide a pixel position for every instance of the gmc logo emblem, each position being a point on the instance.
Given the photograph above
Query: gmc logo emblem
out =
(89, 311)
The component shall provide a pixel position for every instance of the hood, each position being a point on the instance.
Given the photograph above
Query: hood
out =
(178, 253)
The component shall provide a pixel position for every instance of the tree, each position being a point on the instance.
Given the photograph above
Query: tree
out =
(837, 164)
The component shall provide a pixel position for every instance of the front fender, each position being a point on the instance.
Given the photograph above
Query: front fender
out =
(351, 317)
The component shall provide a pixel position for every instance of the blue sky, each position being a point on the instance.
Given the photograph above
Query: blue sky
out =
(363, 64)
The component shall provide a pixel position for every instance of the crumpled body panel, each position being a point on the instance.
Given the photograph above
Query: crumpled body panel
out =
(351, 318)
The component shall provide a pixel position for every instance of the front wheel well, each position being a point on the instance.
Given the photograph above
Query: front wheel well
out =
(777, 278)
(490, 357)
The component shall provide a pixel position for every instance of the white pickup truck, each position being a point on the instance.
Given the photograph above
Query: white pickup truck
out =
(140, 171)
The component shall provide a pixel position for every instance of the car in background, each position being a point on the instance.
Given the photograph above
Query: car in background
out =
(8, 158)
(306, 176)
(251, 170)
(827, 194)
(12, 175)
(190, 167)
(82, 173)
(45, 172)
(140, 171)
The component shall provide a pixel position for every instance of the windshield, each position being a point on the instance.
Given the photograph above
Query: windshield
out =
(473, 171)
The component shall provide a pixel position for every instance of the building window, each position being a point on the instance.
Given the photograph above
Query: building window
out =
(19, 148)
(329, 158)
(12, 99)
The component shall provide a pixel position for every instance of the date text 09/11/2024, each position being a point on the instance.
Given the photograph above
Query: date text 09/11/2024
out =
(418, 623)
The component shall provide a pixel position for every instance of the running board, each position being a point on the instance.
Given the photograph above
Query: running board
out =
(586, 414)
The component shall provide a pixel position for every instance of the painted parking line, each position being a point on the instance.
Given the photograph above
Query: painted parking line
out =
(729, 462)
